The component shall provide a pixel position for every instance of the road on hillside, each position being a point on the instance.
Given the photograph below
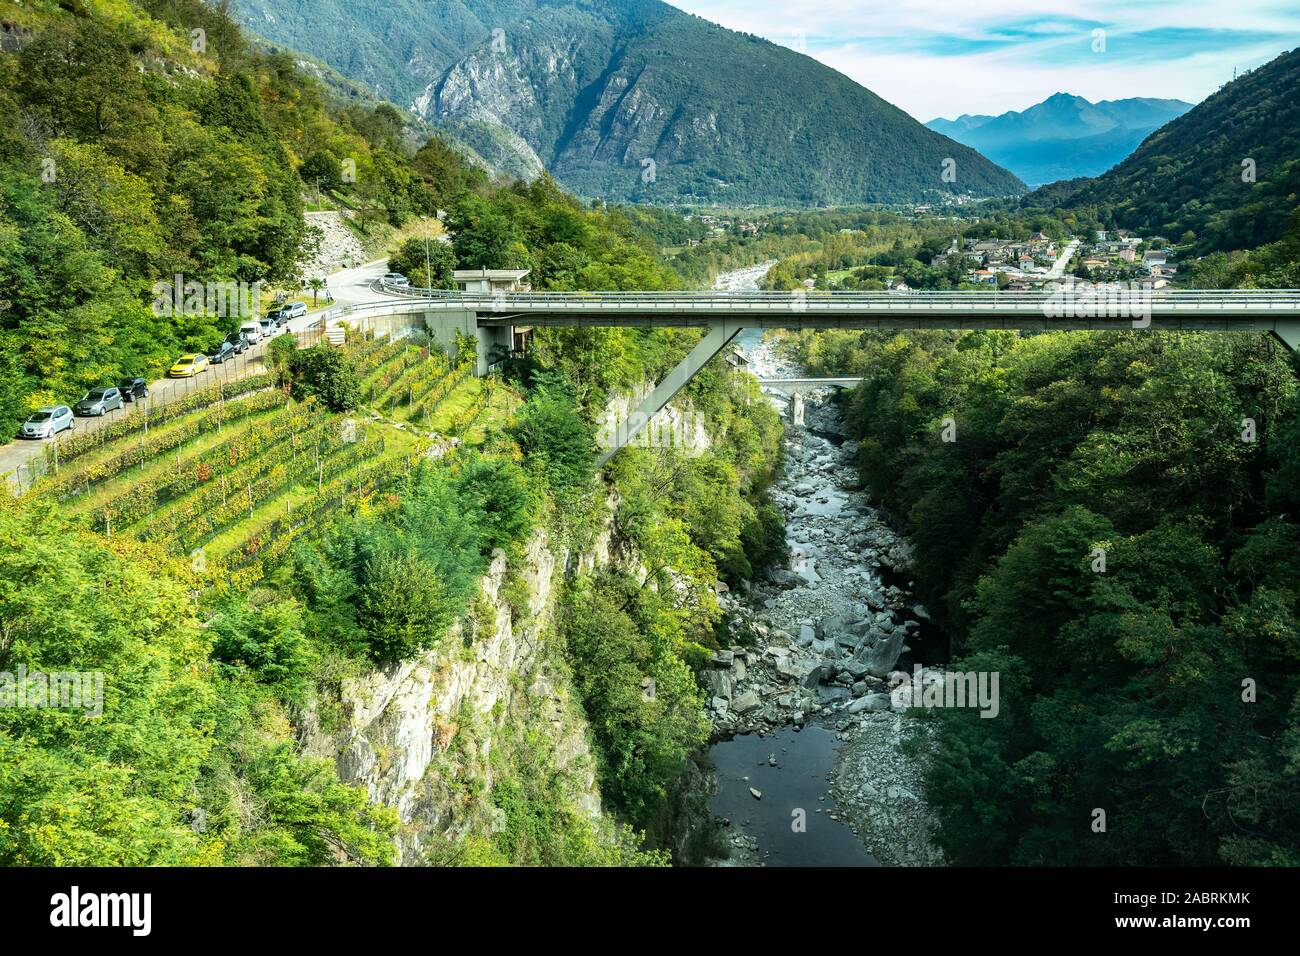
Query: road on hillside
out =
(1058, 267)
(16, 456)
(352, 286)
(346, 287)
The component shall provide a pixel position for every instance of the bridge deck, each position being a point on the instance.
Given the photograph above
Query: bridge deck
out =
(1223, 311)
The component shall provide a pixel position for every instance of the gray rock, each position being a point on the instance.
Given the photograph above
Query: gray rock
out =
(720, 684)
(723, 658)
(746, 702)
(871, 702)
(855, 668)
(881, 658)
(816, 675)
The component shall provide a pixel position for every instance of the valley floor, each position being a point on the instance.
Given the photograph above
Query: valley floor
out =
(810, 739)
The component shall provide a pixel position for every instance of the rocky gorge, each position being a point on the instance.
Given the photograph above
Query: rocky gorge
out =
(827, 653)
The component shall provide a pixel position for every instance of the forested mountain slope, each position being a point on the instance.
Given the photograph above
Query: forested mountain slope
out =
(1226, 172)
(594, 91)
(134, 148)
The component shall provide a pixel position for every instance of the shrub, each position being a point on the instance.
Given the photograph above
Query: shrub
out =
(328, 374)
(280, 356)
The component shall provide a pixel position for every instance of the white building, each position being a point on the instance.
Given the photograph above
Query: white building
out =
(491, 280)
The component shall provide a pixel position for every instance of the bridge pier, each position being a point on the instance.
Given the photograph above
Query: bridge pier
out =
(444, 325)
(1288, 333)
(715, 340)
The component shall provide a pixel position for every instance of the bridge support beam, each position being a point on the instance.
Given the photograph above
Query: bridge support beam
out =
(719, 335)
(1288, 332)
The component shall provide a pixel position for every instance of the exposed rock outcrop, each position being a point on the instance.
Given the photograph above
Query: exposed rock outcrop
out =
(419, 734)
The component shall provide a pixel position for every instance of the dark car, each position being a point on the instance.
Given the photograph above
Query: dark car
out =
(99, 401)
(133, 388)
(237, 341)
(222, 352)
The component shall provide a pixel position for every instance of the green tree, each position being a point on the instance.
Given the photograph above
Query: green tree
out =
(326, 373)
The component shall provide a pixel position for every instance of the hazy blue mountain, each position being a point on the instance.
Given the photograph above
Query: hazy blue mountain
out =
(1227, 171)
(1064, 136)
(632, 99)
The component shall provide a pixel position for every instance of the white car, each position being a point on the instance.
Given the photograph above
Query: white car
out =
(252, 332)
(46, 422)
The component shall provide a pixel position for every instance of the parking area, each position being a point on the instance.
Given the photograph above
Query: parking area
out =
(21, 460)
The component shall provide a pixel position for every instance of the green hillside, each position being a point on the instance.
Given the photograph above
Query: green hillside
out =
(1190, 176)
(599, 89)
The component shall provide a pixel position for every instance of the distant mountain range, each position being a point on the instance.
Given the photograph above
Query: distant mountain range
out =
(1227, 171)
(1064, 136)
(632, 100)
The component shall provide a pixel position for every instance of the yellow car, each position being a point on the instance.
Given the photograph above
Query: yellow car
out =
(188, 365)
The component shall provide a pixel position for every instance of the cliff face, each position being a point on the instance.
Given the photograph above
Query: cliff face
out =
(420, 735)
(633, 100)
(677, 425)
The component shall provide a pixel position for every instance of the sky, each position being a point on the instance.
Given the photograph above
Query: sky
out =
(948, 57)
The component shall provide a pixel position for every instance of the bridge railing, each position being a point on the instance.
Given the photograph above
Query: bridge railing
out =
(903, 300)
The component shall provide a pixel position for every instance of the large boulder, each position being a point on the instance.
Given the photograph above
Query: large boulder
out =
(816, 675)
(720, 684)
(746, 702)
(881, 656)
(871, 702)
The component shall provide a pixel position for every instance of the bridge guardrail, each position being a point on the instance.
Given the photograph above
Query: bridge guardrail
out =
(1019, 300)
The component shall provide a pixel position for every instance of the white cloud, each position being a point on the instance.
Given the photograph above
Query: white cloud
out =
(945, 57)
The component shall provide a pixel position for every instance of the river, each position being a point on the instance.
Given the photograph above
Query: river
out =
(808, 764)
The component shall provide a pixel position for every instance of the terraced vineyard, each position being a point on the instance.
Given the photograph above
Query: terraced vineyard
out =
(406, 380)
(231, 480)
(233, 474)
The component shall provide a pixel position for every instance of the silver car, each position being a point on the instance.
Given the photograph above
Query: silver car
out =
(99, 401)
(47, 422)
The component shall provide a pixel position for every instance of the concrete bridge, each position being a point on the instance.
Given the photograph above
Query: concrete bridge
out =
(797, 388)
(805, 385)
(492, 318)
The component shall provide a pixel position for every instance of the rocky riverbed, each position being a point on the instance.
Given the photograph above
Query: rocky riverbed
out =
(832, 640)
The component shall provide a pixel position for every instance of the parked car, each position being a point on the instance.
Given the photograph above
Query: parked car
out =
(252, 332)
(290, 310)
(187, 366)
(99, 401)
(269, 327)
(47, 422)
(133, 388)
(238, 341)
(223, 352)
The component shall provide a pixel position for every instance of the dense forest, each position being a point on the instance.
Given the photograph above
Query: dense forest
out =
(1161, 684)
(138, 142)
